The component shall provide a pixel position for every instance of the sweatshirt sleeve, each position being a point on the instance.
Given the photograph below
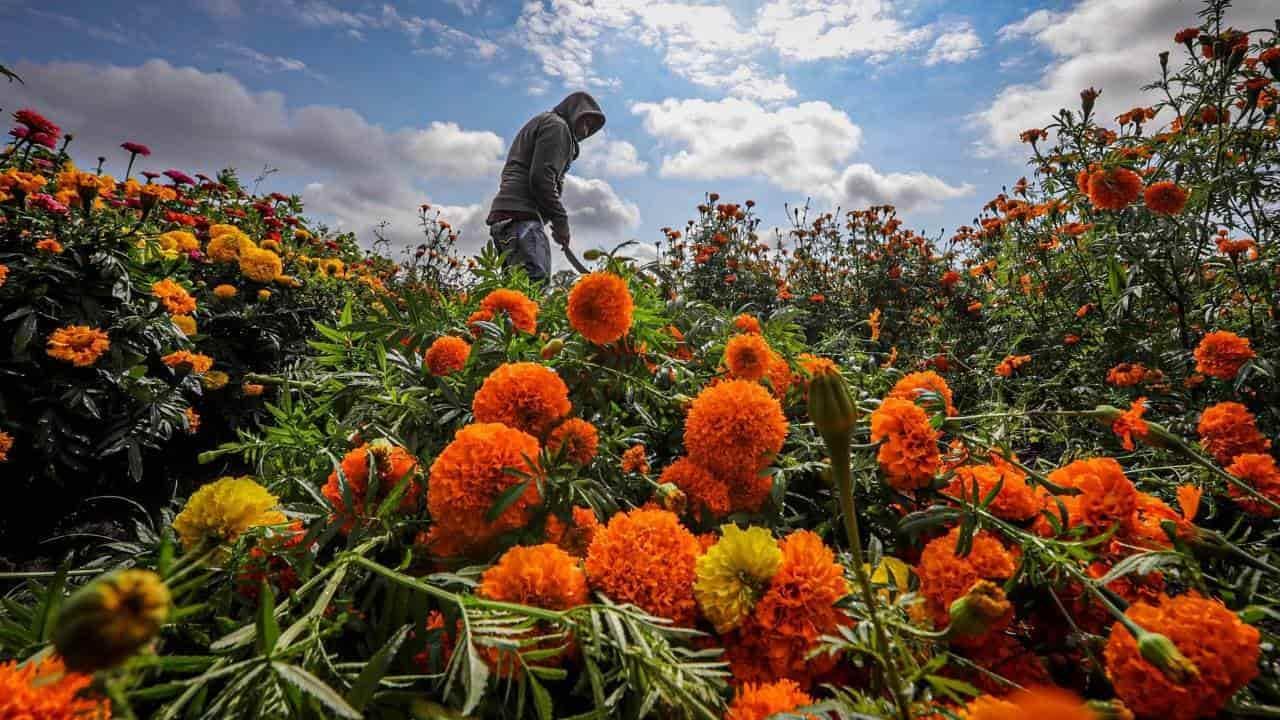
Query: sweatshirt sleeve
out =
(550, 158)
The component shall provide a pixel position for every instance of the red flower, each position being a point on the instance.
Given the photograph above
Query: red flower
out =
(136, 148)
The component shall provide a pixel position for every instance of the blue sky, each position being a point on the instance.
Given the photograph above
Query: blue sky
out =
(369, 108)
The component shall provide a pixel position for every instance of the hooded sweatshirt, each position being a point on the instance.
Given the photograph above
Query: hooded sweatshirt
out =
(540, 155)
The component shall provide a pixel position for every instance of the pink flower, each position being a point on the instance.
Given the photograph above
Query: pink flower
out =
(150, 175)
(136, 148)
(37, 122)
(179, 178)
(44, 201)
(44, 139)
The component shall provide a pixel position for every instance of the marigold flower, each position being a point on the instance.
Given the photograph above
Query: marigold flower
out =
(542, 576)
(526, 396)
(1228, 430)
(1222, 648)
(1010, 364)
(747, 324)
(260, 265)
(577, 439)
(101, 624)
(908, 452)
(635, 460)
(469, 475)
(780, 636)
(708, 493)
(394, 466)
(760, 701)
(647, 558)
(197, 362)
(1016, 500)
(174, 297)
(447, 355)
(748, 356)
(945, 577)
(193, 420)
(1127, 374)
(575, 536)
(1222, 353)
(1258, 470)
(4, 274)
(1114, 188)
(915, 385)
(734, 428)
(79, 345)
(1130, 423)
(1106, 495)
(225, 292)
(814, 365)
(1040, 703)
(6, 444)
(45, 690)
(215, 380)
(185, 323)
(733, 574)
(229, 245)
(252, 389)
(522, 311)
(222, 510)
(50, 246)
(600, 307)
(1165, 198)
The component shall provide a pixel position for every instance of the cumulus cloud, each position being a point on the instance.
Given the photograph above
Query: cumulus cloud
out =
(603, 156)
(956, 45)
(827, 29)
(861, 185)
(1093, 45)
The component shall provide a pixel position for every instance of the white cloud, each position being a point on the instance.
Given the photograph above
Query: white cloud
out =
(263, 62)
(1095, 46)
(956, 45)
(452, 40)
(466, 7)
(445, 39)
(220, 8)
(603, 156)
(596, 213)
(826, 29)
(861, 185)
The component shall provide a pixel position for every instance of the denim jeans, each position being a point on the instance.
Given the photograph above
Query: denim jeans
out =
(526, 244)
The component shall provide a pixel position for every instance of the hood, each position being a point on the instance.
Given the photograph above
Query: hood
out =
(578, 105)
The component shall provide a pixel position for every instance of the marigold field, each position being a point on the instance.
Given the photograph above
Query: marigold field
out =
(254, 469)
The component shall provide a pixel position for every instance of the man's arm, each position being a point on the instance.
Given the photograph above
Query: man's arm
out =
(550, 158)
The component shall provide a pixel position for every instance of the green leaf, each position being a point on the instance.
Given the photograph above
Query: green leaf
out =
(52, 602)
(505, 500)
(268, 628)
(26, 331)
(362, 691)
(541, 699)
(316, 688)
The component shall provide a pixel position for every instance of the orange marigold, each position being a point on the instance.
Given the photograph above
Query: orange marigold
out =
(1258, 470)
(49, 245)
(225, 291)
(542, 576)
(745, 323)
(174, 297)
(447, 355)
(635, 460)
(1010, 364)
(647, 558)
(814, 365)
(1228, 429)
(1114, 188)
(779, 636)
(1221, 354)
(198, 363)
(193, 420)
(526, 396)
(914, 385)
(748, 356)
(1223, 649)
(600, 307)
(1106, 495)
(1130, 423)
(705, 491)
(469, 476)
(45, 690)
(1040, 703)
(394, 465)
(79, 345)
(1126, 374)
(1016, 500)
(760, 701)
(1164, 198)
(779, 375)
(522, 311)
(4, 273)
(908, 452)
(575, 536)
(6, 444)
(577, 439)
(946, 577)
(734, 428)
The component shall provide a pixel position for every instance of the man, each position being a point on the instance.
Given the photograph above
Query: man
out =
(532, 180)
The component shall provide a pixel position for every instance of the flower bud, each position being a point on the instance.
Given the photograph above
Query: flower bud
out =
(979, 610)
(1161, 652)
(1109, 710)
(830, 406)
(111, 618)
(1087, 98)
(592, 255)
(672, 498)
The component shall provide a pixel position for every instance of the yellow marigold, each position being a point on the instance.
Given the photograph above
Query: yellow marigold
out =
(779, 637)
(748, 356)
(600, 307)
(734, 428)
(45, 690)
(271, 245)
(198, 363)
(1258, 471)
(394, 465)
(264, 295)
(733, 574)
(1015, 501)
(915, 385)
(908, 452)
(526, 396)
(542, 576)
(635, 460)
(1038, 703)
(6, 444)
(214, 380)
(220, 511)
(522, 311)
(220, 229)
(260, 265)
(447, 355)
(469, 475)
(152, 193)
(708, 495)
(647, 558)
(746, 324)
(1228, 429)
(185, 323)
(179, 240)
(1106, 496)
(760, 701)
(1221, 354)
(252, 389)
(946, 577)
(1223, 649)
(1010, 364)
(174, 297)
(332, 267)
(577, 439)
(50, 246)
(104, 622)
(229, 246)
(79, 345)
(225, 291)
